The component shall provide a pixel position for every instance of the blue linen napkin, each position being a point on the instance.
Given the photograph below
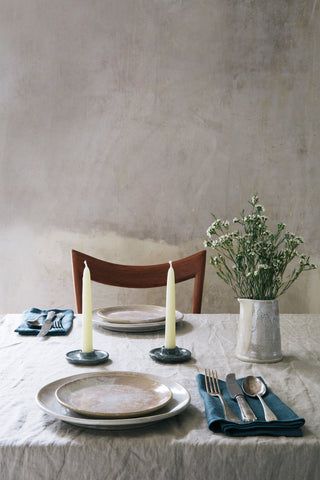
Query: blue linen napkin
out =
(33, 313)
(288, 423)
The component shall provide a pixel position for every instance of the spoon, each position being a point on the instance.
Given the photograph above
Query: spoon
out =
(35, 323)
(254, 387)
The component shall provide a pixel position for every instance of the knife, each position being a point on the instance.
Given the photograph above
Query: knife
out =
(47, 324)
(238, 395)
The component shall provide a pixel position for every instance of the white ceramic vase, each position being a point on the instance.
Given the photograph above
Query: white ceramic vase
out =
(259, 338)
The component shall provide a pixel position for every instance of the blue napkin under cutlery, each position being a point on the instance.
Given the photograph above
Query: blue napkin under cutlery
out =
(33, 313)
(288, 423)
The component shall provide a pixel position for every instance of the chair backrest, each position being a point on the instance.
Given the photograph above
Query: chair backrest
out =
(141, 276)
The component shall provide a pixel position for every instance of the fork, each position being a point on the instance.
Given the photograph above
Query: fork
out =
(58, 320)
(213, 389)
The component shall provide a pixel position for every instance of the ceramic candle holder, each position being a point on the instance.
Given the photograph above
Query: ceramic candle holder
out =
(95, 357)
(170, 355)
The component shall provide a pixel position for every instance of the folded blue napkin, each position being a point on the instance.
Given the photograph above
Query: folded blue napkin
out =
(33, 313)
(288, 423)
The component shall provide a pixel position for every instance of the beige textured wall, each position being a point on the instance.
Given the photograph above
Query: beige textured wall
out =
(124, 123)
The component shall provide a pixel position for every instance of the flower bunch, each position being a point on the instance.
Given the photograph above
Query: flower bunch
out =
(253, 260)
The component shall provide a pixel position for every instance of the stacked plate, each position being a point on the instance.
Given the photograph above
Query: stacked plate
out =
(132, 318)
(114, 400)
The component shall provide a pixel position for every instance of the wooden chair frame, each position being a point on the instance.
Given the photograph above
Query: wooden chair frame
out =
(140, 276)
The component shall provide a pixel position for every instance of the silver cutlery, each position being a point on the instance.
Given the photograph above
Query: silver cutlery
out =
(213, 389)
(58, 320)
(47, 324)
(35, 322)
(254, 387)
(57, 323)
(238, 395)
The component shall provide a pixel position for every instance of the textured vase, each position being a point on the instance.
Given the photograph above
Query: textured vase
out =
(258, 337)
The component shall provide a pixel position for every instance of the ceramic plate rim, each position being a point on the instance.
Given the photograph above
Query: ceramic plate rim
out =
(133, 327)
(143, 308)
(167, 395)
(181, 398)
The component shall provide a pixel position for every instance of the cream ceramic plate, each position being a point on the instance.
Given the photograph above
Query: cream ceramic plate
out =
(132, 327)
(133, 314)
(119, 395)
(46, 400)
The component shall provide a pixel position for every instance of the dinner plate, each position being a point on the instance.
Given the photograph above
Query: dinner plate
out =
(133, 314)
(119, 395)
(47, 401)
(131, 327)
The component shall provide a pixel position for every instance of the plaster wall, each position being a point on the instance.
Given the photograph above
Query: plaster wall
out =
(124, 123)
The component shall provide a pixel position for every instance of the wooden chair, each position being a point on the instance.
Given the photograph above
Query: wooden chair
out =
(142, 276)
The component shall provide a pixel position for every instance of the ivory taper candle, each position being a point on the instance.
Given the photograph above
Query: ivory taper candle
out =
(170, 332)
(86, 311)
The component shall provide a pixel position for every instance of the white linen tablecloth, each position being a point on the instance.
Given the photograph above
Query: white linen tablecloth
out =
(36, 446)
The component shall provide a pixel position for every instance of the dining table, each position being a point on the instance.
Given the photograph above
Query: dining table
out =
(36, 444)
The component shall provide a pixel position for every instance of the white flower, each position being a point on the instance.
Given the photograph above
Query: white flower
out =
(254, 199)
(214, 243)
(215, 261)
(262, 266)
